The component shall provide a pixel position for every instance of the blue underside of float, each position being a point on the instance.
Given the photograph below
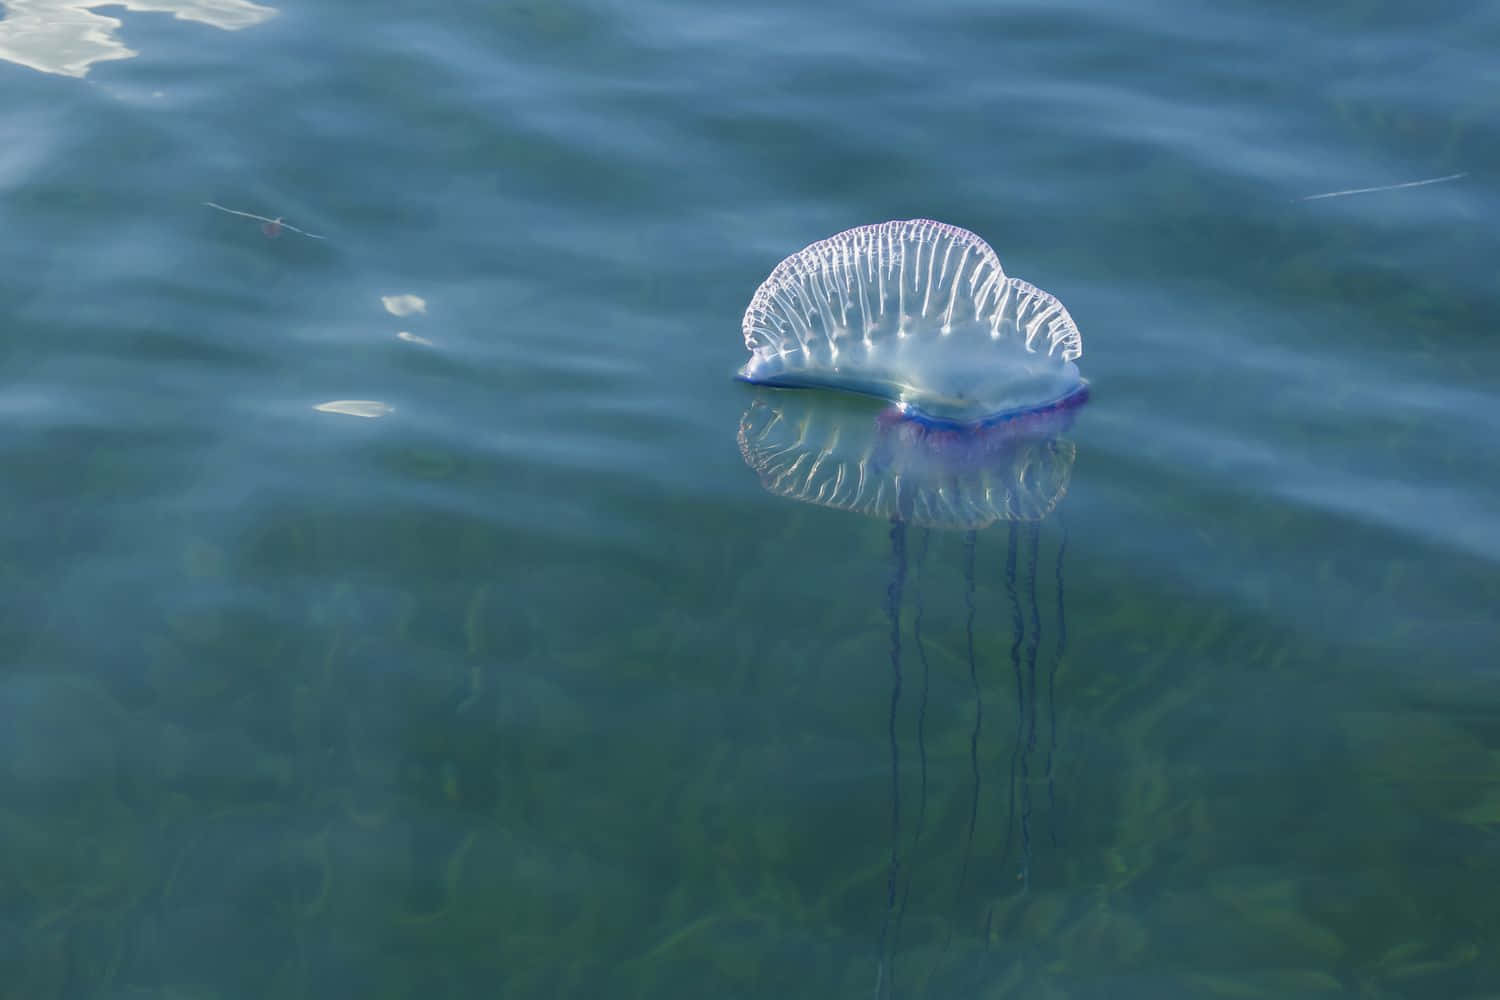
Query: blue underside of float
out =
(1076, 396)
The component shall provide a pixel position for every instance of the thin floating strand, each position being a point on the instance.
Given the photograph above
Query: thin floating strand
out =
(1385, 187)
(271, 227)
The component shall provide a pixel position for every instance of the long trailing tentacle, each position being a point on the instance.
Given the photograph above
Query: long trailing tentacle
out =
(1017, 636)
(884, 973)
(1033, 644)
(1062, 645)
(970, 539)
(916, 634)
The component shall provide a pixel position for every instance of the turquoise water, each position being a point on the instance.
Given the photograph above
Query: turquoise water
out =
(527, 686)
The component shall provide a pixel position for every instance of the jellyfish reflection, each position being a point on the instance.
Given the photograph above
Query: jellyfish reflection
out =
(929, 478)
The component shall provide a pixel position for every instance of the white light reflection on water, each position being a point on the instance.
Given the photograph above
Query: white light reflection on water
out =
(403, 305)
(63, 37)
(367, 408)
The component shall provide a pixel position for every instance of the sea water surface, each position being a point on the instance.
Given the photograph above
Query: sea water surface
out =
(395, 613)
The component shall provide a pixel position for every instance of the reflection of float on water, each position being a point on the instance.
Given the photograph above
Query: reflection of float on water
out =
(824, 450)
(813, 449)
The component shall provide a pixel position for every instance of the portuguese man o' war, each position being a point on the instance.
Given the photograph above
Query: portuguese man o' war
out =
(919, 313)
(980, 369)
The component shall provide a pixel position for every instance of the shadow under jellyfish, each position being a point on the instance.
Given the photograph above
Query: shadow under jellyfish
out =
(979, 372)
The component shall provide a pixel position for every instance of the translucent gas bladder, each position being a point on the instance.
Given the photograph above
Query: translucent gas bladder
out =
(917, 312)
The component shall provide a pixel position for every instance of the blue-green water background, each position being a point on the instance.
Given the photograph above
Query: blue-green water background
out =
(529, 689)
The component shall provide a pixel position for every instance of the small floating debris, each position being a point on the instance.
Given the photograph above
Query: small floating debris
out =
(403, 305)
(1385, 187)
(367, 408)
(271, 227)
(412, 338)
